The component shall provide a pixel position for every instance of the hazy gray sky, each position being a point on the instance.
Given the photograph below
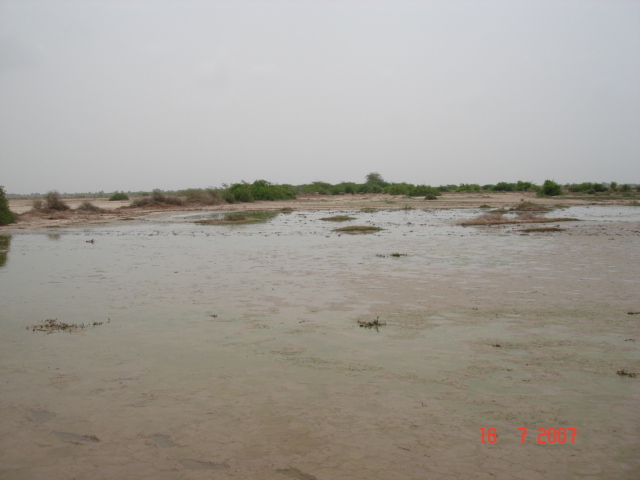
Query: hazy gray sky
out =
(136, 95)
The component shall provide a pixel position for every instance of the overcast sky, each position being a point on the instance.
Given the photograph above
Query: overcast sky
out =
(136, 95)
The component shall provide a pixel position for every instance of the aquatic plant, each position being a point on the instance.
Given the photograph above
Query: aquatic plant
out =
(235, 218)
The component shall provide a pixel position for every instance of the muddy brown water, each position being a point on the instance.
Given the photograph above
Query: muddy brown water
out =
(234, 351)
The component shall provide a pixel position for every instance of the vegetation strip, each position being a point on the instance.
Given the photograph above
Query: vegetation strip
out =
(235, 218)
(356, 229)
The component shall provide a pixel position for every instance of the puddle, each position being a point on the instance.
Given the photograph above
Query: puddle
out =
(243, 341)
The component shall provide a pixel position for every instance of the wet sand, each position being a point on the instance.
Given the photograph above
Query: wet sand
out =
(235, 351)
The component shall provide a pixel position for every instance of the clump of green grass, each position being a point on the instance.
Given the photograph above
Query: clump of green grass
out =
(286, 210)
(117, 196)
(338, 218)
(624, 373)
(357, 229)
(485, 206)
(238, 218)
(430, 196)
(394, 254)
(89, 207)
(368, 210)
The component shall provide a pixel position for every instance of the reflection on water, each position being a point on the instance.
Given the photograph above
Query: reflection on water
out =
(53, 236)
(5, 241)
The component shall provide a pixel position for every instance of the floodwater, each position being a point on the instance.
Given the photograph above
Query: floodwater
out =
(234, 352)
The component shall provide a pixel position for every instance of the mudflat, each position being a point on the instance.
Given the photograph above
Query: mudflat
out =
(286, 349)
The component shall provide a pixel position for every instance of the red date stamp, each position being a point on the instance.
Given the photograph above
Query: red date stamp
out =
(545, 435)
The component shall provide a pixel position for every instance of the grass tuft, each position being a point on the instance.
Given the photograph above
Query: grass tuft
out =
(525, 206)
(357, 229)
(239, 218)
(338, 218)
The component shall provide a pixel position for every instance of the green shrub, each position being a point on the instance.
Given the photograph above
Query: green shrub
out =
(523, 186)
(468, 187)
(241, 192)
(397, 189)
(587, 187)
(550, 189)
(118, 196)
(425, 191)
(322, 188)
(53, 201)
(6, 215)
(504, 187)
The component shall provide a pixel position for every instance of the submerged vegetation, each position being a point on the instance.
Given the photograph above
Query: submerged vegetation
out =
(356, 229)
(51, 325)
(338, 218)
(236, 218)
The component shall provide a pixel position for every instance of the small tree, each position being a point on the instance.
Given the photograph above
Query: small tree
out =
(550, 189)
(6, 215)
(374, 177)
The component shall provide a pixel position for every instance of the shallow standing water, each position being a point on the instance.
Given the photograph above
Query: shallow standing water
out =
(235, 351)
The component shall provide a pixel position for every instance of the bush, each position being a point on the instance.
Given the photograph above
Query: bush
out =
(207, 196)
(118, 196)
(53, 201)
(261, 190)
(6, 215)
(241, 192)
(523, 186)
(503, 187)
(156, 197)
(396, 189)
(425, 191)
(322, 188)
(468, 187)
(587, 187)
(550, 189)
(89, 207)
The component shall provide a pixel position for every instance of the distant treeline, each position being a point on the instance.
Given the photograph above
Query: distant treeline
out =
(264, 190)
